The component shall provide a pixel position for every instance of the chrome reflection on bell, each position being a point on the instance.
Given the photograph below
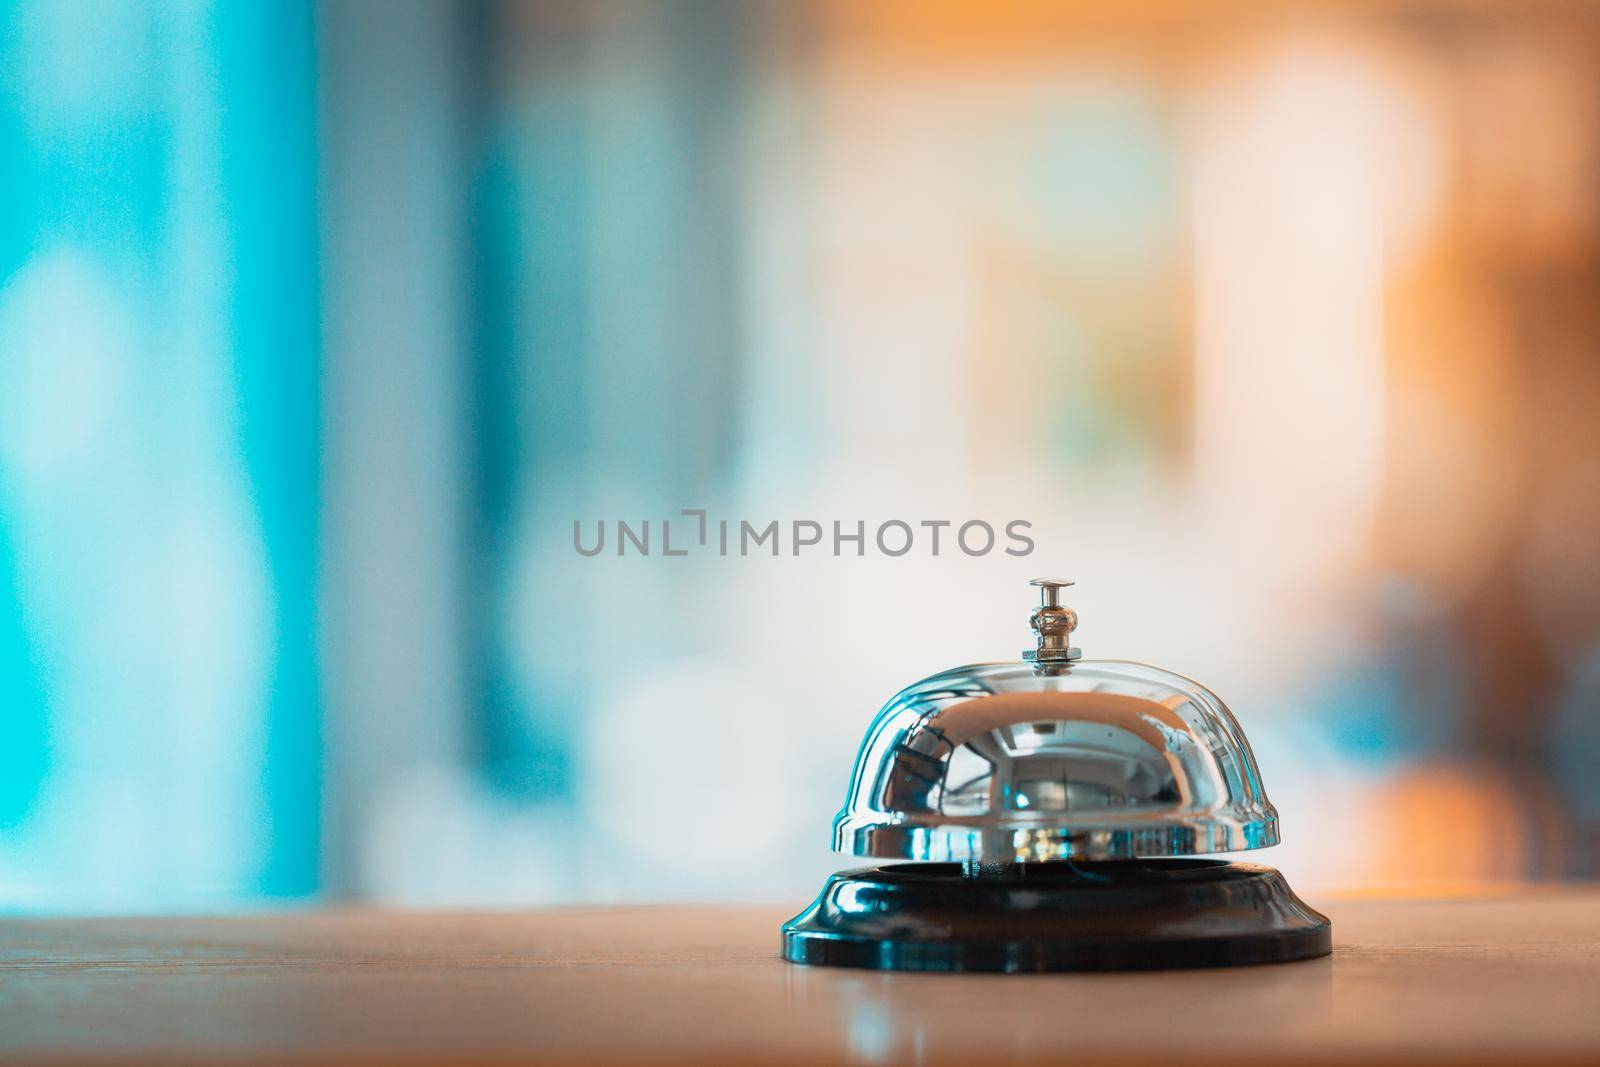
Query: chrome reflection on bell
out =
(1048, 795)
(1056, 758)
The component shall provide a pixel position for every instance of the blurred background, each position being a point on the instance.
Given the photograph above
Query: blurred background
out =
(321, 323)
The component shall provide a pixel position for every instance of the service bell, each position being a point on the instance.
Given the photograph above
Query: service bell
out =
(1054, 807)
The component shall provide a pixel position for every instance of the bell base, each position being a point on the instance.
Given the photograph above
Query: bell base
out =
(1058, 916)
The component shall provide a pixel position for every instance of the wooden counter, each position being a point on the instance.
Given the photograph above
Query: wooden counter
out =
(1514, 980)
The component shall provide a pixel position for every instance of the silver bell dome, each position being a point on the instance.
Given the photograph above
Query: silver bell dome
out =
(1054, 758)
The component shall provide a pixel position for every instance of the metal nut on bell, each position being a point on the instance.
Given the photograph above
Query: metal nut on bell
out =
(1053, 620)
(1053, 623)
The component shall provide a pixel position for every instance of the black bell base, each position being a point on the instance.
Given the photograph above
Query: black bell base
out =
(1043, 917)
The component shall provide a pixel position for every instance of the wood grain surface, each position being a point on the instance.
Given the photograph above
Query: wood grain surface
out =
(1513, 980)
